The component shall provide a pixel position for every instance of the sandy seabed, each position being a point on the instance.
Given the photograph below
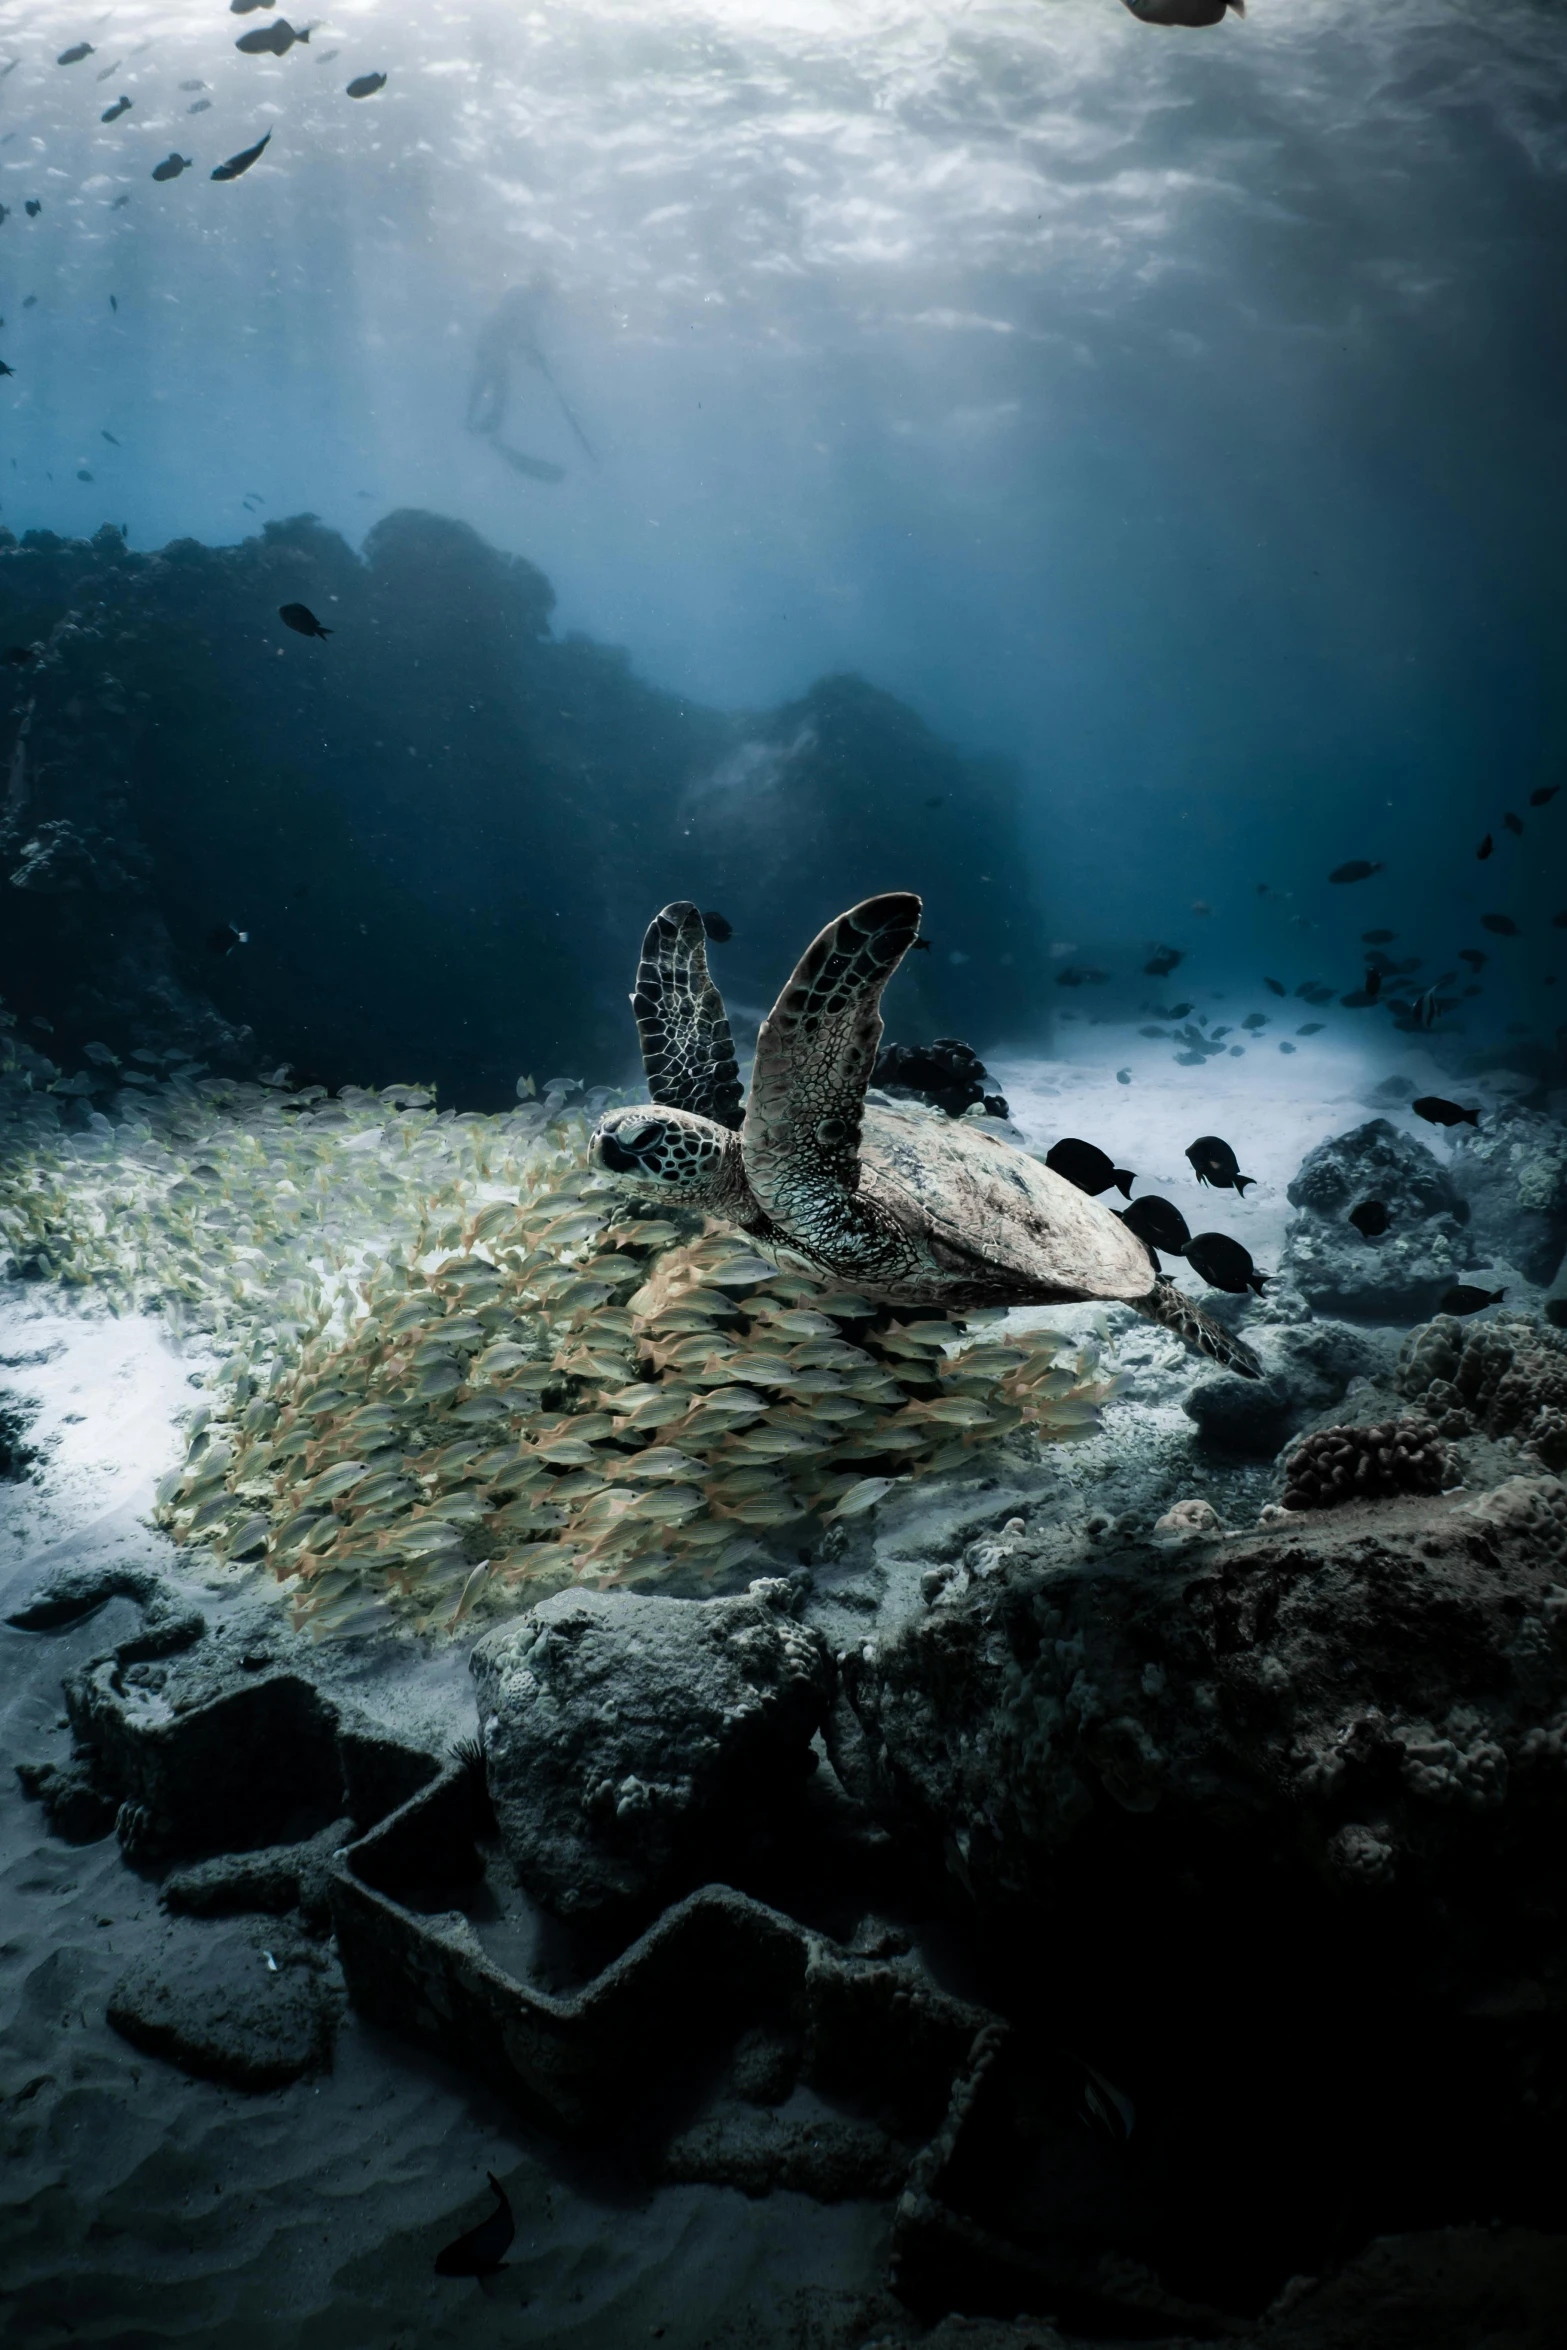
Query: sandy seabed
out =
(141, 2207)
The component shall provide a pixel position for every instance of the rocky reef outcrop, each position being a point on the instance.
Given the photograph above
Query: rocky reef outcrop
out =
(1401, 1274)
(435, 827)
(623, 1731)
(1511, 1176)
(1505, 1378)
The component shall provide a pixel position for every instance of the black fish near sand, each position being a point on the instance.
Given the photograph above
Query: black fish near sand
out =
(1224, 1264)
(171, 167)
(238, 164)
(1213, 1161)
(1192, 13)
(719, 929)
(480, 2251)
(1370, 1219)
(301, 620)
(365, 85)
(1088, 1167)
(272, 40)
(1357, 869)
(1438, 1112)
(1464, 1298)
(1157, 1222)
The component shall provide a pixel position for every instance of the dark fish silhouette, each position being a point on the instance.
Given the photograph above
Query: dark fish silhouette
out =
(1184, 12)
(1158, 1223)
(1546, 793)
(171, 167)
(199, 106)
(1464, 1298)
(1373, 984)
(1277, 985)
(82, 473)
(480, 2251)
(1253, 1021)
(193, 85)
(113, 113)
(1213, 1161)
(1224, 1264)
(113, 304)
(272, 40)
(365, 85)
(75, 54)
(1312, 1028)
(1358, 869)
(119, 204)
(1163, 961)
(718, 928)
(301, 620)
(1485, 848)
(5, 369)
(1377, 938)
(226, 938)
(532, 468)
(249, 7)
(1473, 957)
(1513, 823)
(1370, 1219)
(1438, 1112)
(1089, 1168)
(241, 163)
(32, 208)
(1502, 924)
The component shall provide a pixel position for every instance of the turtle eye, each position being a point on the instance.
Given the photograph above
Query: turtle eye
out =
(637, 1136)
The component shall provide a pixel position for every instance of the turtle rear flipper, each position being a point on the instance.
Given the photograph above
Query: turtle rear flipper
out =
(1173, 1310)
(687, 1049)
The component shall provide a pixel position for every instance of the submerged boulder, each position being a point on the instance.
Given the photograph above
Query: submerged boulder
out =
(1400, 1274)
(1511, 1175)
(623, 1732)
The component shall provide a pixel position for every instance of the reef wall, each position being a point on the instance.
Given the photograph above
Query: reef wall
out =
(444, 828)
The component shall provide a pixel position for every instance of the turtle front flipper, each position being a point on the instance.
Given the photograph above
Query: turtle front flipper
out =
(814, 1059)
(687, 1050)
(1173, 1310)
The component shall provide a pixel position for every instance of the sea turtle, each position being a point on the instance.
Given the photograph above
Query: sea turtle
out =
(909, 1209)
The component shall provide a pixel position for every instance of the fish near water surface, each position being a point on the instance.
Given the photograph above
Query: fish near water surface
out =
(241, 163)
(171, 167)
(1191, 13)
(365, 85)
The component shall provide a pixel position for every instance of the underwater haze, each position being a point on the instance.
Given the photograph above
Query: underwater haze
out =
(1172, 415)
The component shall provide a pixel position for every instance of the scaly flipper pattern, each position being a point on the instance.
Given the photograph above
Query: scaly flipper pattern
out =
(814, 1059)
(1173, 1310)
(687, 1049)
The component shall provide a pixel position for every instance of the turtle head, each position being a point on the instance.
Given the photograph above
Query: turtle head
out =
(661, 1154)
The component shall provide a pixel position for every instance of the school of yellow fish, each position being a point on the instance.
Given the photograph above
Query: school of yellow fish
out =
(456, 1373)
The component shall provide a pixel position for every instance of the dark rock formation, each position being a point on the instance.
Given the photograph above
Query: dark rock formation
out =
(948, 1074)
(1511, 1174)
(445, 830)
(1248, 1416)
(1339, 1465)
(254, 2006)
(1400, 1275)
(623, 1731)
